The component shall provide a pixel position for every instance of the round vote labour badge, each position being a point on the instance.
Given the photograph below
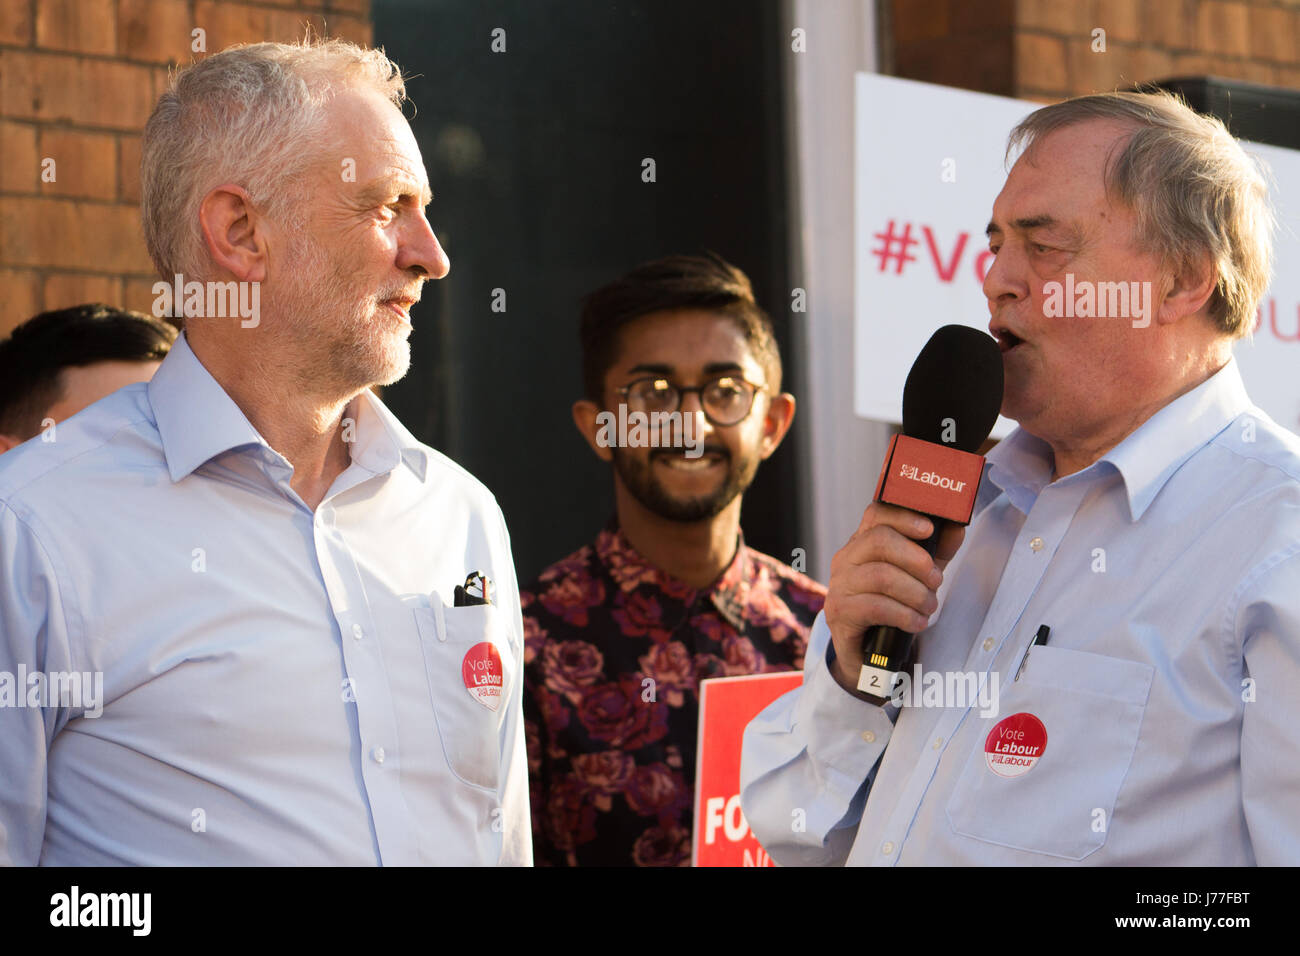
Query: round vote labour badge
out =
(1014, 744)
(481, 669)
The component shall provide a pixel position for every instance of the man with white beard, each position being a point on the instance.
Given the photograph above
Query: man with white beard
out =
(257, 556)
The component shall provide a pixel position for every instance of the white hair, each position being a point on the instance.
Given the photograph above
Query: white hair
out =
(1195, 191)
(252, 115)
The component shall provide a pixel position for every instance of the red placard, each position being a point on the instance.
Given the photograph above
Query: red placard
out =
(721, 835)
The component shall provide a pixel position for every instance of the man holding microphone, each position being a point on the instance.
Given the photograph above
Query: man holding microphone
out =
(1131, 577)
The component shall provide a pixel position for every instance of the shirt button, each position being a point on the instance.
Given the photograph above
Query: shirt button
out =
(868, 736)
(1036, 544)
(357, 632)
(988, 643)
(887, 848)
(378, 754)
(938, 743)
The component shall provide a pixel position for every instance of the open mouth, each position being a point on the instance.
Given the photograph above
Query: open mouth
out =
(1007, 340)
(680, 462)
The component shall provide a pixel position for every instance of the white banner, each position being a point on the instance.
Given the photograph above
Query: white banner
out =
(929, 163)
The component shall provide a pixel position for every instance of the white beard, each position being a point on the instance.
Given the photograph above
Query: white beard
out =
(347, 343)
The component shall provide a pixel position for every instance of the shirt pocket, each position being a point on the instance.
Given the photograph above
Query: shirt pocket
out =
(461, 684)
(1091, 709)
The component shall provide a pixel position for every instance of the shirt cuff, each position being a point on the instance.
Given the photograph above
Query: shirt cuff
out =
(842, 732)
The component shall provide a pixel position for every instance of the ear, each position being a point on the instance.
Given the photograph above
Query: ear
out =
(585, 416)
(1192, 285)
(7, 442)
(234, 232)
(780, 413)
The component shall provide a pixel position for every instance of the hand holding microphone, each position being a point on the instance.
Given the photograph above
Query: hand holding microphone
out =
(884, 581)
(884, 576)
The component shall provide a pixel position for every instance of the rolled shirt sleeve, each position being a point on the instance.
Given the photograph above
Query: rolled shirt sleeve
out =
(807, 763)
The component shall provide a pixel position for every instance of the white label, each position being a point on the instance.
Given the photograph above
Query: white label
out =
(875, 680)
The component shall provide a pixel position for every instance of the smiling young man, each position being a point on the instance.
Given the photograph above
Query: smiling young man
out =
(1132, 573)
(619, 634)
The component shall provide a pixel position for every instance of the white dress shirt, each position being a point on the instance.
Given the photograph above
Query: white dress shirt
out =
(280, 686)
(1168, 691)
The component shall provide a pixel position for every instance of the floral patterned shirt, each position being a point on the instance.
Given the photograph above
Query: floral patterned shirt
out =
(614, 653)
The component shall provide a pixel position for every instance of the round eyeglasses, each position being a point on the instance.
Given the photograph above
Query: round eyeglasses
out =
(725, 400)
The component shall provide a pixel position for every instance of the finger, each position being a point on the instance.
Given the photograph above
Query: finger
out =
(890, 581)
(859, 612)
(887, 545)
(902, 520)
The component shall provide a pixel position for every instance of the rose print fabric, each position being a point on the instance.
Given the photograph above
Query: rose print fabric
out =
(614, 654)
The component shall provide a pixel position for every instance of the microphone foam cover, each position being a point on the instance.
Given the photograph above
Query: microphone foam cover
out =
(957, 376)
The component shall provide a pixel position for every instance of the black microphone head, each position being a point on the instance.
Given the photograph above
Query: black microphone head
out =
(957, 377)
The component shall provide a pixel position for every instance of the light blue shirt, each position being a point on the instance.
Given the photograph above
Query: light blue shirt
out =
(278, 686)
(1168, 691)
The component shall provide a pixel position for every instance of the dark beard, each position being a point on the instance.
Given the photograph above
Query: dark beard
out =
(638, 477)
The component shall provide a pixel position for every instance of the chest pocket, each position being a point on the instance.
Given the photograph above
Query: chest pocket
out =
(1091, 708)
(462, 684)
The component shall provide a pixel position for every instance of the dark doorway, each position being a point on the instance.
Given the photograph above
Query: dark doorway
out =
(535, 157)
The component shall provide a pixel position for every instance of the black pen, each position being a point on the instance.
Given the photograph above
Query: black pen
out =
(1039, 639)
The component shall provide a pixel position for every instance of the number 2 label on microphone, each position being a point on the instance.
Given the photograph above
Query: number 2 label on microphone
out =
(875, 680)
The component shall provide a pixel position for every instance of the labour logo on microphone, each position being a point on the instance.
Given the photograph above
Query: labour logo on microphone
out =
(933, 479)
(482, 672)
(1014, 744)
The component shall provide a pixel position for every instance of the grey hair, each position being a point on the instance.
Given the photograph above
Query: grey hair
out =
(253, 115)
(1194, 190)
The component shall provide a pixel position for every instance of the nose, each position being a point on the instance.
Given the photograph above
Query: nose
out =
(1002, 283)
(419, 250)
(692, 405)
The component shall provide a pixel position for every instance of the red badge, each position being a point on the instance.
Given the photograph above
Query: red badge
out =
(482, 672)
(1014, 744)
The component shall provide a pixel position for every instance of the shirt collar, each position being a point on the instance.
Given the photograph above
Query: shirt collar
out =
(383, 442)
(1149, 457)
(729, 594)
(197, 421)
(1021, 466)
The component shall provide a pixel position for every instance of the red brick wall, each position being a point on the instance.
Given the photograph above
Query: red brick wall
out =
(1042, 49)
(966, 43)
(78, 79)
